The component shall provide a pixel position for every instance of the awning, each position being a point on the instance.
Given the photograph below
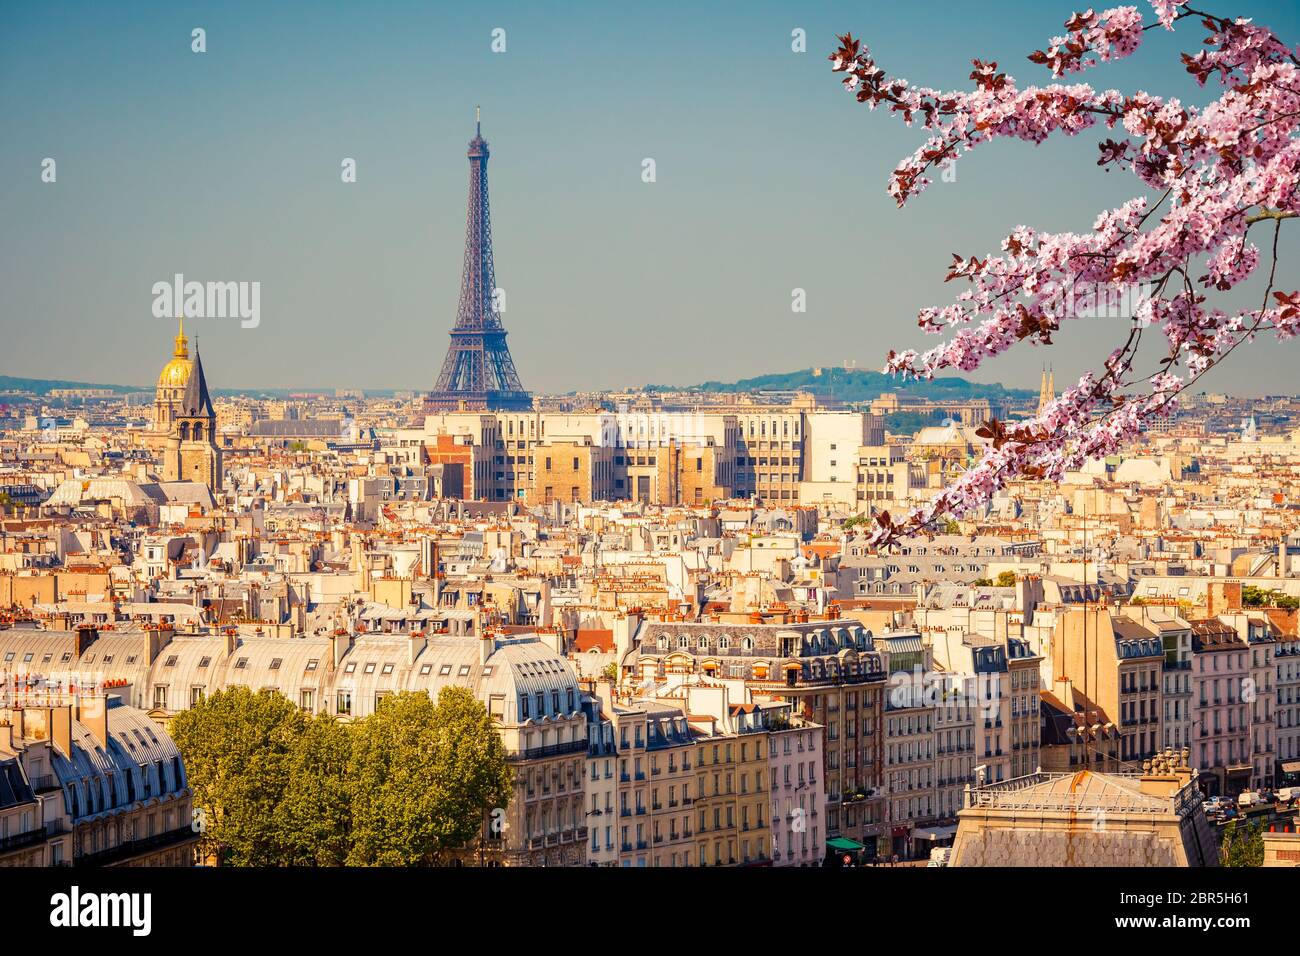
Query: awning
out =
(1291, 766)
(934, 833)
(844, 846)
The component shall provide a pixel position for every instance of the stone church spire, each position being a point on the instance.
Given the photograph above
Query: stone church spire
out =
(1047, 390)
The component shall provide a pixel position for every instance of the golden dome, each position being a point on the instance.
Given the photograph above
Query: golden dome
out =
(176, 373)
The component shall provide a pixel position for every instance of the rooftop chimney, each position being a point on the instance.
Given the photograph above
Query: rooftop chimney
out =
(1063, 688)
(340, 644)
(1165, 774)
(59, 728)
(92, 711)
(87, 634)
(416, 647)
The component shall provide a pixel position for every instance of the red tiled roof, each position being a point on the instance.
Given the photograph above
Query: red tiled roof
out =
(594, 638)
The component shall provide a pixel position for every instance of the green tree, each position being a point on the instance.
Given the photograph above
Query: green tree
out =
(907, 423)
(950, 526)
(314, 816)
(1007, 579)
(982, 583)
(236, 747)
(424, 776)
(1243, 845)
(1252, 596)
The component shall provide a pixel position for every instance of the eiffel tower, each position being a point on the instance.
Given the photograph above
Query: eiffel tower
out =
(478, 373)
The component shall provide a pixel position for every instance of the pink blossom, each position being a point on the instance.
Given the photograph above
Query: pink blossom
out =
(1221, 171)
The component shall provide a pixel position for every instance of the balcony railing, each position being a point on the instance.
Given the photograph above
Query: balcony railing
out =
(45, 783)
(30, 838)
(552, 750)
(133, 848)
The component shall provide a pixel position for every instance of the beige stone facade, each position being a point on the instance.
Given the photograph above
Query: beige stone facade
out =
(1089, 819)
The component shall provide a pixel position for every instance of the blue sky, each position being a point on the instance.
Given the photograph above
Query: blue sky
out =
(226, 166)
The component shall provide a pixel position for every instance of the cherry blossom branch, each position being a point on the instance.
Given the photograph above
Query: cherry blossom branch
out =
(1221, 169)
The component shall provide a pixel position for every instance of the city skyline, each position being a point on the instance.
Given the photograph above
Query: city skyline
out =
(225, 166)
(829, 435)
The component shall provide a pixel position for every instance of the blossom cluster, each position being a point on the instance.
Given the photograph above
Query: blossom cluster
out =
(1219, 171)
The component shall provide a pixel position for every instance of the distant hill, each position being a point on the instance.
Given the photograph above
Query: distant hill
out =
(43, 386)
(862, 385)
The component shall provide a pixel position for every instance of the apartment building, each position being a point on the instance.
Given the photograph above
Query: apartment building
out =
(732, 786)
(956, 709)
(1003, 676)
(600, 788)
(1117, 664)
(1286, 656)
(770, 454)
(669, 742)
(1221, 720)
(883, 476)
(831, 443)
(715, 805)
(909, 724)
(1024, 685)
(656, 784)
(828, 669)
(1176, 671)
(89, 781)
(1076, 733)
(955, 560)
(782, 454)
(543, 457)
(1259, 694)
(798, 788)
(34, 827)
(529, 691)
